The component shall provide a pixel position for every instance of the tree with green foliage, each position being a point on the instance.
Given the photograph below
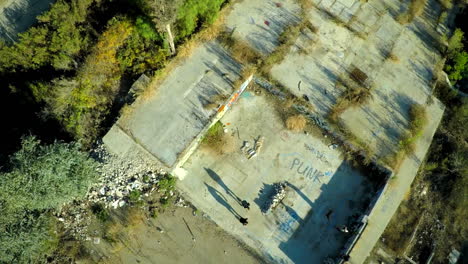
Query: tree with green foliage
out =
(144, 50)
(27, 239)
(80, 103)
(455, 43)
(45, 176)
(39, 178)
(457, 59)
(457, 68)
(163, 14)
(194, 13)
(59, 37)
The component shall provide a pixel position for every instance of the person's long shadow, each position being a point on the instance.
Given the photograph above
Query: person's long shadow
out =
(218, 179)
(222, 200)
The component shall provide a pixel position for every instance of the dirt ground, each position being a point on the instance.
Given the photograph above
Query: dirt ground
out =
(168, 239)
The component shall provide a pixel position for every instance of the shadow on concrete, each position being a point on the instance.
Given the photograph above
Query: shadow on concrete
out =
(317, 237)
(221, 183)
(222, 200)
(292, 213)
(275, 21)
(264, 195)
(301, 194)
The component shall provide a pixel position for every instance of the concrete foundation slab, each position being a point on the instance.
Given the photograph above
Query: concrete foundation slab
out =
(167, 123)
(323, 191)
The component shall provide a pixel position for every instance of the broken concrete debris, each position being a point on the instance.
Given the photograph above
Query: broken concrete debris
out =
(252, 152)
(259, 143)
(277, 196)
(118, 179)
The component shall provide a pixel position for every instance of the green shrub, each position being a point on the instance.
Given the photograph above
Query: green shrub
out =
(100, 212)
(134, 196)
(57, 40)
(194, 13)
(81, 102)
(39, 178)
(447, 4)
(455, 43)
(26, 239)
(167, 183)
(145, 28)
(43, 177)
(457, 67)
(144, 50)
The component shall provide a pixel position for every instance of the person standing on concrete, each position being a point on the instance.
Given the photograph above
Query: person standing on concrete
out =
(244, 221)
(245, 204)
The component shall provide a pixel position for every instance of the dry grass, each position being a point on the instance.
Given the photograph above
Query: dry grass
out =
(447, 4)
(305, 4)
(407, 142)
(354, 95)
(340, 106)
(134, 217)
(243, 53)
(296, 123)
(418, 118)
(286, 40)
(398, 232)
(215, 101)
(394, 58)
(415, 9)
(246, 72)
(218, 142)
(404, 18)
(394, 160)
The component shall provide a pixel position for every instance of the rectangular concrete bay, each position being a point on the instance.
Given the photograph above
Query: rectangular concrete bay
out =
(167, 123)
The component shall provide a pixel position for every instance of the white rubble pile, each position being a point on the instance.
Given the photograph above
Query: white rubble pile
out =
(276, 198)
(118, 178)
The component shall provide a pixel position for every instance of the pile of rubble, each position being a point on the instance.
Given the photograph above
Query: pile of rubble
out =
(75, 219)
(252, 152)
(118, 179)
(276, 198)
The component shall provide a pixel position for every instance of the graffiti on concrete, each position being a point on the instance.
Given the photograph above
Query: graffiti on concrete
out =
(317, 153)
(287, 226)
(307, 170)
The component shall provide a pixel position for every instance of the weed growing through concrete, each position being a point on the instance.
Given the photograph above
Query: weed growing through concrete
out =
(393, 58)
(296, 123)
(407, 142)
(218, 142)
(354, 95)
(415, 9)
